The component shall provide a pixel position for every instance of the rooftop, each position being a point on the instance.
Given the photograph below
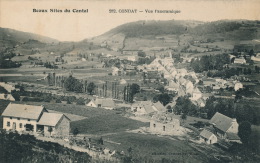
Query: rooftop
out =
(23, 111)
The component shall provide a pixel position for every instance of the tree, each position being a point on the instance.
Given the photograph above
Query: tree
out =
(50, 130)
(100, 141)
(183, 117)
(75, 131)
(133, 89)
(244, 131)
(163, 98)
(80, 101)
(91, 87)
(141, 54)
(70, 83)
(169, 109)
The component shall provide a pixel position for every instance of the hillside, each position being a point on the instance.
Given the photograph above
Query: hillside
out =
(141, 35)
(10, 37)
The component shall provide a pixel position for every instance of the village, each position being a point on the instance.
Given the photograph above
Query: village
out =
(94, 97)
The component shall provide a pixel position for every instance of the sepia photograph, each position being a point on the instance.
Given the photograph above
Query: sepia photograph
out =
(121, 81)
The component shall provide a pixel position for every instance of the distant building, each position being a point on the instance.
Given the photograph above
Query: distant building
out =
(116, 71)
(20, 117)
(238, 86)
(164, 124)
(146, 107)
(106, 103)
(240, 60)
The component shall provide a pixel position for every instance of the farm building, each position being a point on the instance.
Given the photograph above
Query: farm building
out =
(54, 124)
(106, 103)
(8, 97)
(20, 117)
(208, 137)
(146, 107)
(223, 125)
(164, 124)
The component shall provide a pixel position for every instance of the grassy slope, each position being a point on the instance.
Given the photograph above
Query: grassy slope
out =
(98, 120)
(152, 147)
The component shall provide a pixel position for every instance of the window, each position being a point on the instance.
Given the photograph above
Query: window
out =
(8, 124)
(18, 118)
(29, 120)
(163, 128)
(21, 125)
(154, 125)
(11, 117)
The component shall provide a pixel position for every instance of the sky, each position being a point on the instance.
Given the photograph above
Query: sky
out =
(19, 15)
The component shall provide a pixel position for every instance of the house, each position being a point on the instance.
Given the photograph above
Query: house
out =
(208, 137)
(106, 103)
(240, 60)
(223, 125)
(122, 82)
(54, 124)
(132, 58)
(196, 94)
(158, 106)
(238, 86)
(146, 107)
(116, 71)
(164, 124)
(8, 97)
(21, 117)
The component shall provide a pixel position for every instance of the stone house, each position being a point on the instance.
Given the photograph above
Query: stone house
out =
(164, 124)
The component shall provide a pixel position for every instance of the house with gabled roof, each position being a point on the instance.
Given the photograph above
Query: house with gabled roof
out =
(54, 124)
(208, 137)
(106, 103)
(31, 118)
(223, 125)
(146, 107)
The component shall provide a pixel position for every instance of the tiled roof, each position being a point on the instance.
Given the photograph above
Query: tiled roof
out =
(232, 136)
(23, 111)
(159, 106)
(50, 119)
(206, 134)
(147, 105)
(105, 102)
(221, 121)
